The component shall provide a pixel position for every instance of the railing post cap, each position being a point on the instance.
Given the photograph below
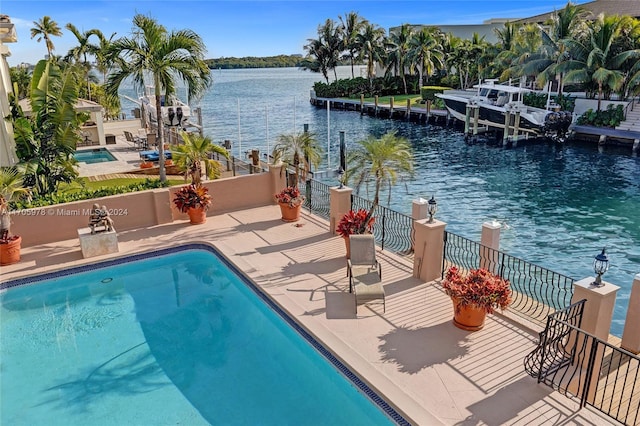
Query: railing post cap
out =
(587, 284)
(493, 224)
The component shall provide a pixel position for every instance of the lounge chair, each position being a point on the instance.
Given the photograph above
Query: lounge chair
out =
(364, 270)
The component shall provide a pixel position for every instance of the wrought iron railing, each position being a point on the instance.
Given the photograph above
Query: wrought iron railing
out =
(580, 365)
(392, 230)
(537, 291)
(317, 198)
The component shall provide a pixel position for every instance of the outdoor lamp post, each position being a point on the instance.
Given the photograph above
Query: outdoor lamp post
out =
(600, 266)
(341, 177)
(432, 208)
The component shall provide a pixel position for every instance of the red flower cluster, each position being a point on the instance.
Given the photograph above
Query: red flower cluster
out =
(352, 222)
(192, 196)
(479, 287)
(290, 195)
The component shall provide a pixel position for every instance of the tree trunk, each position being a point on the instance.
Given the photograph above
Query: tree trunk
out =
(162, 170)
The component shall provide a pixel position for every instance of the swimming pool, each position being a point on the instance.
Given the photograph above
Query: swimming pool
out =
(96, 155)
(171, 337)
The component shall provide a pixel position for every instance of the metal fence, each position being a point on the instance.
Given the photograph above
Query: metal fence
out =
(537, 291)
(580, 365)
(317, 198)
(393, 230)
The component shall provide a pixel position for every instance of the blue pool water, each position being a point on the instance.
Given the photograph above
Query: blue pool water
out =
(176, 338)
(91, 156)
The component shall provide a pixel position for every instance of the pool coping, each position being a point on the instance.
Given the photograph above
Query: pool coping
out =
(389, 409)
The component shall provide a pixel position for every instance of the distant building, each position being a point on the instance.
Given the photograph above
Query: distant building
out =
(597, 7)
(7, 143)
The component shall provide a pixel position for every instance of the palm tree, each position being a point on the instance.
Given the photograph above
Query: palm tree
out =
(294, 149)
(381, 160)
(352, 24)
(44, 29)
(595, 59)
(163, 56)
(11, 189)
(398, 52)
(371, 40)
(195, 151)
(46, 139)
(103, 58)
(331, 37)
(426, 50)
(79, 53)
(317, 59)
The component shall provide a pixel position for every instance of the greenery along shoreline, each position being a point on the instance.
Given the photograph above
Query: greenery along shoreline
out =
(280, 61)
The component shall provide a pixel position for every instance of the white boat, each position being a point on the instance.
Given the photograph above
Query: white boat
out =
(494, 101)
(175, 113)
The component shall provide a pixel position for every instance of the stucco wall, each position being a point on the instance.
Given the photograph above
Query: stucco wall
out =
(46, 225)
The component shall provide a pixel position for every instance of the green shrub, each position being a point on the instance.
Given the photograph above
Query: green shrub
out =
(85, 194)
(611, 117)
(539, 100)
(428, 93)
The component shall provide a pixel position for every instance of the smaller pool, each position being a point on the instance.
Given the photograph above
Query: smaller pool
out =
(91, 156)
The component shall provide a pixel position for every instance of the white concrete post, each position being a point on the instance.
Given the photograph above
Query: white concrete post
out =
(278, 178)
(419, 211)
(631, 333)
(490, 241)
(429, 249)
(339, 205)
(598, 310)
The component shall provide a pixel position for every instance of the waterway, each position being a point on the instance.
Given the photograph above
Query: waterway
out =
(558, 206)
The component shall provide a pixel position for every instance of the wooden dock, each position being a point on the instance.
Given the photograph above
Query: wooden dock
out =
(413, 113)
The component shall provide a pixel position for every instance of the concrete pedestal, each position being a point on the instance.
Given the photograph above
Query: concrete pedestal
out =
(97, 244)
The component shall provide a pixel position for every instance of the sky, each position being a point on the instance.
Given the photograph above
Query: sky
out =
(246, 28)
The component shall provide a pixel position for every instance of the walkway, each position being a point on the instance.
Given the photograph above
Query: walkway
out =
(431, 371)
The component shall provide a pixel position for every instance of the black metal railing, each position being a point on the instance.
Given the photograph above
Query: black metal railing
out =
(537, 291)
(317, 198)
(580, 365)
(552, 352)
(392, 230)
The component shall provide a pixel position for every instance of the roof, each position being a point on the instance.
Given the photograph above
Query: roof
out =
(597, 7)
(81, 105)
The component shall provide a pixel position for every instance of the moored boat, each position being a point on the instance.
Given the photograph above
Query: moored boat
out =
(498, 106)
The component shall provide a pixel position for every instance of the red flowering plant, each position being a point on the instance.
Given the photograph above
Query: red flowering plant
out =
(479, 287)
(192, 196)
(352, 223)
(290, 195)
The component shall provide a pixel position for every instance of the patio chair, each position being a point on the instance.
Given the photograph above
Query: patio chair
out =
(364, 270)
(134, 140)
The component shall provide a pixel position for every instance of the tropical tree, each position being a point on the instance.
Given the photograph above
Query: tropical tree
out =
(195, 151)
(153, 52)
(565, 25)
(78, 54)
(371, 40)
(331, 38)
(595, 59)
(46, 140)
(379, 161)
(104, 54)
(44, 29)
(318, 59)
(398, 45)
(352, 24)
(426, 51)
(11, 189)
(295, 149)
(463, 58)
(21, 79)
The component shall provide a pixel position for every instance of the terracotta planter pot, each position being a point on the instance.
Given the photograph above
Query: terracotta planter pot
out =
(197, 215)
(146, 165)
(290, 214)
(470, 317)
(10, 252)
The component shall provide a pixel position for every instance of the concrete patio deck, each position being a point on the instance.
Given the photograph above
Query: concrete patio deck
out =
(432, 372)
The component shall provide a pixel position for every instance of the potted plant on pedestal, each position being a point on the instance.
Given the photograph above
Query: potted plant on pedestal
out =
(11, 189)
(475, 295)
(354, 222)
(194, 200)
(290, 201)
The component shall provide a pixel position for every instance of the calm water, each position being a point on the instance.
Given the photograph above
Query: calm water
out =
(559, 206)
(193, 345)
